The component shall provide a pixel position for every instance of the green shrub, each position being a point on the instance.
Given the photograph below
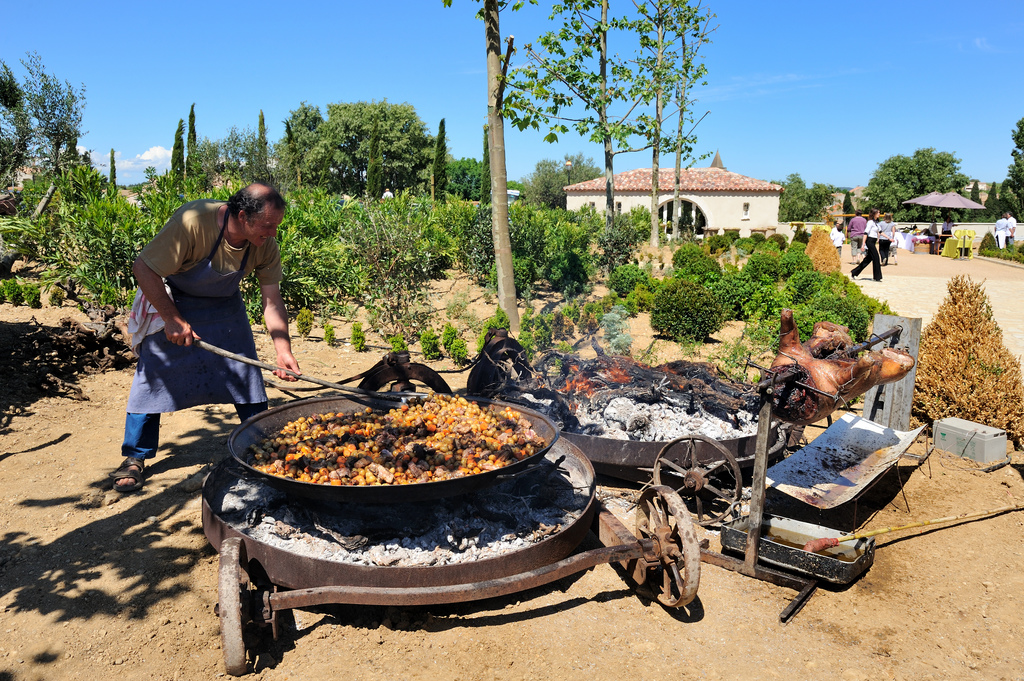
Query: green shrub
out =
(801, 236)
(589, 323)
(732, 235)
(448, 336)
(618, 244)
(836, 309)
(684, 310)
(458, 352)
(767, 302)
(542, 336)
(498, 321)
(329, 334)
(744, 246)
(641, 298)
(32, 296)
(398, 344)
(806, 284)
(616, 331)
(526, 319)
(732, 290)
(757, 237)
(763, 268)
(304, 322)
(12, 291)
(358, 337)
(529, 345)
(767, 246)
(795, 245)
(780, 240)
(988, 243)
(571, 311)
(430, 345)
(701, 270)
(56, 296)
(3, 293)
(792, 262)
(687, 254)
(625, 278)
(561, 326)
(716, 243)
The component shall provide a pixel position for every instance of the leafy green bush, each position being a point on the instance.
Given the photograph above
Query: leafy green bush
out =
(757, 237)
(732, 290)
(767, 302)
(763, 268)
(458, 352)
(56, 298)
(832, 308)
(686, 255)
(684, 310)
(32, 296)
(3, 292)
(641, 299)
(780, 240)
(542, 335)
(702, 270)
(988, 243)
(767, 246)
(397, 343)
(562, 327)
(498, 321)
(806, 284)
(528, 344)
(358, 337)
(716, 243)
(448, 336)
(616, 331)
(430, 345)
(795, 245)
(329, 334)
(618, 244)
(732, 235)
(12, 292)
(792, 262)
(801, 236)
(304, 322)
(744, 246)
(625, 278)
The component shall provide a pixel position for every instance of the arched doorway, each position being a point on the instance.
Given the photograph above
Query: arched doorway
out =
(692, 215)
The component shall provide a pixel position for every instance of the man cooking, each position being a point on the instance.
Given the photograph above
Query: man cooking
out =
(188, 277)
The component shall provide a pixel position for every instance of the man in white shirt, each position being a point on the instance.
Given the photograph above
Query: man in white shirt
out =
(1002, 230)
(1012, 223)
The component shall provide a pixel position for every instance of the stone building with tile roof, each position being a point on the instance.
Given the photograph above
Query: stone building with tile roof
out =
(718, 199)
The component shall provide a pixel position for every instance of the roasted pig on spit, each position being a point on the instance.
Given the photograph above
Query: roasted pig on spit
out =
(823, 373)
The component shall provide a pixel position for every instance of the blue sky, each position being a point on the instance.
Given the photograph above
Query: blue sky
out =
(827, 90)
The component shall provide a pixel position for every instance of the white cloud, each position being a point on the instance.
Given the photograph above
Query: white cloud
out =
(982, 45)
(158, 157)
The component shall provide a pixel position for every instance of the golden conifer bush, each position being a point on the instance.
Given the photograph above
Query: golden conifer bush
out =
(821, 251)
(963, 368)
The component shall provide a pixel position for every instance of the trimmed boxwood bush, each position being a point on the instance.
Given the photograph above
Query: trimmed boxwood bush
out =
(806, 284)
(744, 246)
(12, 292)
(684, 310)
(731, 290)
(32, 296)
(832, 308)
(792, 262)
(797, 246)
(763, 267)
(686, 254)
(988, 243)
(716, 243)
(780, 240)
(430, 345)
(758, 237)
(625, 278)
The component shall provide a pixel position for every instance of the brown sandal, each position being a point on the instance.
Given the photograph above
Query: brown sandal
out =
(130, 468)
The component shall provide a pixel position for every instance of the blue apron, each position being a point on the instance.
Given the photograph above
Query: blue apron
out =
(170, 377)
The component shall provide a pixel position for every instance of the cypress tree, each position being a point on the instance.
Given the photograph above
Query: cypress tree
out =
(262, 156)
(113, 172)
(993, 206)
(975, 192)
(848, 204)
(485, 173)
(375, 165)
(178, 150)
(440, 165)
(191, 161)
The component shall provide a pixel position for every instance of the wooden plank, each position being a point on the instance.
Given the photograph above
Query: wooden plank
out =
(889, 405)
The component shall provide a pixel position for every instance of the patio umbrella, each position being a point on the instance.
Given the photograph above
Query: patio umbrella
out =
(947, 200)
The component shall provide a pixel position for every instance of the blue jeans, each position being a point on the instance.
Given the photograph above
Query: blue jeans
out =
(142, 431)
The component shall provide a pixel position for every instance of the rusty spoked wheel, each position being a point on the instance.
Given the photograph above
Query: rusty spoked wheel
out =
(673, 574)
(715, 487)
(233, 603)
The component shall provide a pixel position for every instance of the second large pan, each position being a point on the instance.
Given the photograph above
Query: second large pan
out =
(271, 421)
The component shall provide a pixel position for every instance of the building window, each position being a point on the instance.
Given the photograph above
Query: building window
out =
(593, 205)
(618, 206)
(746, 211)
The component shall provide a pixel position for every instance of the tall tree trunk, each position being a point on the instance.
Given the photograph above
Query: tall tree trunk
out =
(609, 155)
(499, 180)
(656, 151)
(680, 98)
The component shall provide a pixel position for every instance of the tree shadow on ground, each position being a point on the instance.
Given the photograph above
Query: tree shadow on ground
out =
(130, 545)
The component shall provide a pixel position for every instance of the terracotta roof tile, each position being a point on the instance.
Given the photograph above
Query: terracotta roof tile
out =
(691, 179)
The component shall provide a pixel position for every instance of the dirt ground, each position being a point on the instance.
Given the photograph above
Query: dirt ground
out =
(98, 585)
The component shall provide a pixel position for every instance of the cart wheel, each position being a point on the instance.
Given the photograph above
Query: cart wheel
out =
(662, 517)
(233, 605)
(715, 487)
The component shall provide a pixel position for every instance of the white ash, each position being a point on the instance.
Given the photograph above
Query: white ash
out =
(625, 419)
(500, 519)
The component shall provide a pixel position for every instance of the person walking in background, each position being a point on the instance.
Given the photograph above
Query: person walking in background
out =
(856, 233)
(1002, 231)
(1012, 224)
(885, 236)
(387, 194)
(870, 238)
(837, 240)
